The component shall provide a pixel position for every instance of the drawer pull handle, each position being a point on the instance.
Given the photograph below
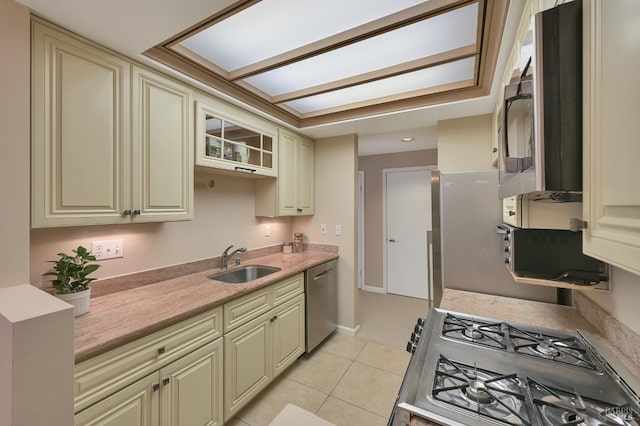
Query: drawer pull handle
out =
(156, 387)
(273, 318)
(166, 381)
(161, 350)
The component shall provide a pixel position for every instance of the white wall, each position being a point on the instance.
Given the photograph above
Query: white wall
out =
(464, 144)
(223, 215)
(622, 301)
(14, 143)
(336, 204)
(36, 330)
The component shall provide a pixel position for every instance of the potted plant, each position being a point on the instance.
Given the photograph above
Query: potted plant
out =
(72, 280)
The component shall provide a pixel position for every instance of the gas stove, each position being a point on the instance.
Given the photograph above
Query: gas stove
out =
(479, 371)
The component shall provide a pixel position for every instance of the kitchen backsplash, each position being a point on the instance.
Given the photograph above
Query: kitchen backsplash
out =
(626, 341)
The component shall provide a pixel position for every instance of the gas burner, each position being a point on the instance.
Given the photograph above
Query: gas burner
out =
(472, 331)
(559, 407)
(546, 348)
(567, 350)
(485, 392)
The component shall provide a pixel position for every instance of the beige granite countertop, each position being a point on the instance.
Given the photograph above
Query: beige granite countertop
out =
(118, 318)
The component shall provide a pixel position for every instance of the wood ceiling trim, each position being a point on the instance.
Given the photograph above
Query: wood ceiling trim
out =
(173, 60)
(223, 14)
(495, 20)
(194, 57)
(405, 104)
(395, 98)
(492, 30)
(371, 29)
(392, 71)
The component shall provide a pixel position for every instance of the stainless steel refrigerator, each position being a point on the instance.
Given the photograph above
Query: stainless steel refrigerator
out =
(466, 251)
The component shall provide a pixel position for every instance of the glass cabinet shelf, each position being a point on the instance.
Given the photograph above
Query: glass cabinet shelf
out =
(224, 143)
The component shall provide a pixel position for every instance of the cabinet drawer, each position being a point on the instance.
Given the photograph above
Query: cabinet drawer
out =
(105, 374)
(245, 308)
(285, 290)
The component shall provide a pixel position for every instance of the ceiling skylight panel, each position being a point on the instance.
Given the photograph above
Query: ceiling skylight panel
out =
(431, 77)
(272, 27)
(429, 37)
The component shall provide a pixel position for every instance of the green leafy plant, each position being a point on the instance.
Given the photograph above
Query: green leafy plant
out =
(72, 272)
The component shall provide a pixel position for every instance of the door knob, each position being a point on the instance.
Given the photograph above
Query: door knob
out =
(392, 240)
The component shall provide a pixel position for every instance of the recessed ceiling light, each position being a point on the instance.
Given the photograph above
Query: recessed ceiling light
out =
(407, 139)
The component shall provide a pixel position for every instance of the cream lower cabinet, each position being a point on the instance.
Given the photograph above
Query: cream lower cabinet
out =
(268, 339)
(186, 392)
(611, 127)
(172, 377)
(112, 142)
(293, 192)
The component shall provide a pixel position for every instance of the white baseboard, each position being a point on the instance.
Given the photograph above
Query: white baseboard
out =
(374, 289)
(348, 330)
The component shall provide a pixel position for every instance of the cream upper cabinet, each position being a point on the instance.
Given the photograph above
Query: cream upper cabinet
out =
(611, 128)
(293, 192)
(162, 148)
(80, 132)
(232, 140)
(111, 142)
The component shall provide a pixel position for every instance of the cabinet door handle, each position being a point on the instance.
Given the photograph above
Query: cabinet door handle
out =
(127, 212)
(161, 350)
(273, 318)
(156, 387)
(166, 381)
(135, 212)
(299, 210)
(245, 169)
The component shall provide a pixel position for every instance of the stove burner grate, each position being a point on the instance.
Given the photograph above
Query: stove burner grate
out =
(566, 350)
(478, 332)
(559, 407)
(487, 393)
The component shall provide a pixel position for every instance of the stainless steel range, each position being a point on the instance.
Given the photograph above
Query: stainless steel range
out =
(479, 371)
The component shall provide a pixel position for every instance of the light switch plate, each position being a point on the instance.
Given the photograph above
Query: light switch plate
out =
(267, 230)
(338, 229)
(107, 249)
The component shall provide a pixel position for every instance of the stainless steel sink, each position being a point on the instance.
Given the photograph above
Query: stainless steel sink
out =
(243, 274)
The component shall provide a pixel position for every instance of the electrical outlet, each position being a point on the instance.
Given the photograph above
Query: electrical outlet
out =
(267, 230)
(338, 229)
(107, 249)
(323, 229)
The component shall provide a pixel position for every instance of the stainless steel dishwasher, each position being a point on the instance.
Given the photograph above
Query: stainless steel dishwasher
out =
(321, 293)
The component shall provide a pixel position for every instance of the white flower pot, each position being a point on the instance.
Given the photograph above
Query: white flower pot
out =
(80, 301)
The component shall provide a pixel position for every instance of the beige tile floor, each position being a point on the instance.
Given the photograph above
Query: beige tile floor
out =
(347, 380)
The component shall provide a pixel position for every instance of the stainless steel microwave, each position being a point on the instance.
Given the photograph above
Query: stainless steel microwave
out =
(550, 254)
(540, 121)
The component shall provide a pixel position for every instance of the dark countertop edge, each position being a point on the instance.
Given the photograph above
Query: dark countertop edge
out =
(88, 352)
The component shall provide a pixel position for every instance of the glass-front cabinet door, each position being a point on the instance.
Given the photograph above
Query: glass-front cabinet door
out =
(244, 144)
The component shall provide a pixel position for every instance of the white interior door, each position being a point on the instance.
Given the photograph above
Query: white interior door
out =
(408, 218)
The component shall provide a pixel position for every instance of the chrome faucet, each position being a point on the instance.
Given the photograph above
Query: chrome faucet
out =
(224, 259)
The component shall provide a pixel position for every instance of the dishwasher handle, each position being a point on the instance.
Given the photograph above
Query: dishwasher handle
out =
(322, 274)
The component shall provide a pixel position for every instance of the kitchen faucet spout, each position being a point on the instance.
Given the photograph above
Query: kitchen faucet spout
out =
(224, 259)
